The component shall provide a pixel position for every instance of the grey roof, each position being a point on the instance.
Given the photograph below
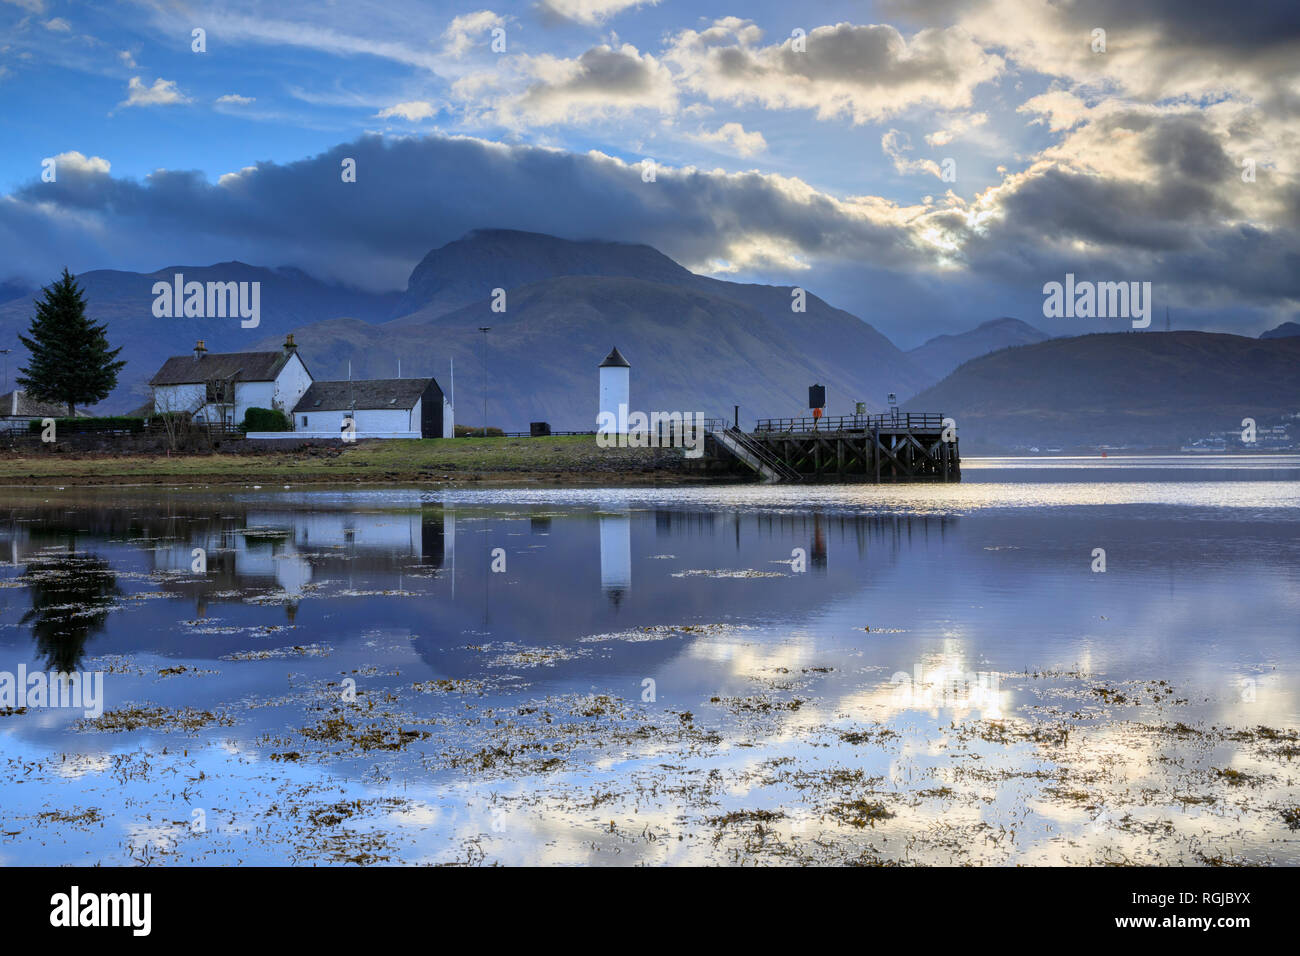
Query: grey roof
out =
(223, 366)
(16, 403)
(615, 360)
(372, 393)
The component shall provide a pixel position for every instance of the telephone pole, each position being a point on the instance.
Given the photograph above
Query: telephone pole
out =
(485, 329)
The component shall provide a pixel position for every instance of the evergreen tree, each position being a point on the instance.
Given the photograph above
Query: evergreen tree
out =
(71, 362)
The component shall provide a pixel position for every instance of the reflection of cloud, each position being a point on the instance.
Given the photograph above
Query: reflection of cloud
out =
(76, 766)
(950, 686)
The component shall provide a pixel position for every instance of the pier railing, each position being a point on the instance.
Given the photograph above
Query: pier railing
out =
(912, 421)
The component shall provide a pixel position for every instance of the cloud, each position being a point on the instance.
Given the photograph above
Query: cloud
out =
(864, 73)
(162, 93)
(78, 165)
(1155, 50)
(895, 145)
(955, 127)
(604, 81)
(1150, 193)
(469, 29)
(412, 112)
(1129, 193)
(391, 32)
(57, 25)
(412, 194)
(127, 59)
(734, 137)
(590, 12)
(1057, 109)
(234, 99)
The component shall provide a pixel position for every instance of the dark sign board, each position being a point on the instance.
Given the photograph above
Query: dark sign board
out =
(816, 396)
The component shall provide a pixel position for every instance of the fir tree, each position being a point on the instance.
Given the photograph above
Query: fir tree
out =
(71, 362)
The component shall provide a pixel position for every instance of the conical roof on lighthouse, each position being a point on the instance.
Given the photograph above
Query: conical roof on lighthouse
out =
(615, 360)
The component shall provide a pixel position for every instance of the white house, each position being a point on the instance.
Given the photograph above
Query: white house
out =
(378, 408)
(223, 386)
(17, 409)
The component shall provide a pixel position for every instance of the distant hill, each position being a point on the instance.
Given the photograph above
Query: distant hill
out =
(695, 343)
(289, 299)
(943, 353)
(1284, 331)
(1158, 389)
(690, 349)
(700, 344)
(14, 289)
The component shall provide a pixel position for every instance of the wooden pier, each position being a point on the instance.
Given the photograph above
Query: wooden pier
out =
(896, 447)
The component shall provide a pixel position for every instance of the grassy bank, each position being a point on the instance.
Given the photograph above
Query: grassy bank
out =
(575, 459)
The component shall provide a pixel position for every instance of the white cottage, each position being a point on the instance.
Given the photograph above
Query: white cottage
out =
(17, 409)
(379, 408)
(222, 386)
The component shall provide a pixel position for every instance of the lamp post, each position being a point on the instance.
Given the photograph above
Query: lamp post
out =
(485, 329)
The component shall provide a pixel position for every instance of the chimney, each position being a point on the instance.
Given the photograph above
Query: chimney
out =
(199, 349)
(289, 344)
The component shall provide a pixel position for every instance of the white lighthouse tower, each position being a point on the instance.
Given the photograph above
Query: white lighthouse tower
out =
(615, 381)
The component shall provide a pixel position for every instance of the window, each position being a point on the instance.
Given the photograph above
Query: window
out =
(304, 421)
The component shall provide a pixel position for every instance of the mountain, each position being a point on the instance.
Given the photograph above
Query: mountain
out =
(855, 361)
(695, 343)
(690, 351)
(1284, 331)
(289, 299)
(1118, 388)
(15, 289)
(943, 353)
(468, 269)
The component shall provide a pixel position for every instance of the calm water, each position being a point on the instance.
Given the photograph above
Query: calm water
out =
(929, 674)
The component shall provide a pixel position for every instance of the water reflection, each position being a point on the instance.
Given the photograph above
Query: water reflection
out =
(616, 555)
(881, 665)
(72, 594)
(345, 567)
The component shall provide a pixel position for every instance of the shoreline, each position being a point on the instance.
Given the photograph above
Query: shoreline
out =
(621, 479)
(560, 460)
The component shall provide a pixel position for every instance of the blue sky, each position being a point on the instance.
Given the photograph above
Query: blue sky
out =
(822, 165)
